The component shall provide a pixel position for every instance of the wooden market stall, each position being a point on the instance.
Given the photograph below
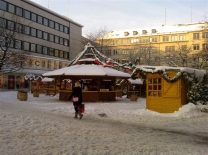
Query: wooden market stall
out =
(131, 87)
(166, 90)
(98, 82)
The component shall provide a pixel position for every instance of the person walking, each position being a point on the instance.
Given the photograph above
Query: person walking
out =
(77, 99)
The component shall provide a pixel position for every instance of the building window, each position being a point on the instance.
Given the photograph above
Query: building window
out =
(154, 86)
(3, 5)
(134, 41)
(39, 49)
(169, 48)
(33, 32)
(45, 50)
(26, 30)
(45, 35)
(165, 38)
(61, 28)
(26, 46)
(205, 47)
(49, 64)
(57, 26)
(61, 54)
(40, 19)
(51, 52)
(40, 34)
(195, 35)
(33, 47)
(10, 25)
(182, 37)
(66, 42)
(60, 65)
(18, 44)
(61, 41)
(195, 47)
(27, 14)
(174, 38)
(205, 35)
(51, 37)
(56, 53)
(66, 30)
(19, 11)
(45, 21)
(19, 28)
(125, 41)
(2, 23)
(33, 17)
(124, 61)
(11, 45)
(153, 40)
(184, 47)
(11, 8)
(66, 55)
(57, 39)
(51, 24)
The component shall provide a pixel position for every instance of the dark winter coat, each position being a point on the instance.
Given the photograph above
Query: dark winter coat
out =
(76, 92)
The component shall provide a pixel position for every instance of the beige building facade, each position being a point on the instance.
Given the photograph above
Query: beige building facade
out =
(160, 42)
(51, 40)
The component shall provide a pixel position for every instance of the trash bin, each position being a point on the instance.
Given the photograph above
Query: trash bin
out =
(22, 95)
(36, 93)
(133, 97)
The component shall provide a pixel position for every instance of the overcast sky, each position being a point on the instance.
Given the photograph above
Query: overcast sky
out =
(127, 14)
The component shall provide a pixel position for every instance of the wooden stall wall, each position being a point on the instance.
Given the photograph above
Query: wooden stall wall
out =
(169, 98)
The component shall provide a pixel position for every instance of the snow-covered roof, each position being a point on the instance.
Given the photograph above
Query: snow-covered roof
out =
(154, 69)
(135, 81)
(87, 70)
(163, 29)
(45, 79)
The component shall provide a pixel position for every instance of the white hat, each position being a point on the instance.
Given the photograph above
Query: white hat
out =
(77, 84)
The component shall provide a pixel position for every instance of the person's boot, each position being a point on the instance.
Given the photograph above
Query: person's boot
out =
(75, 115)
(80, 115)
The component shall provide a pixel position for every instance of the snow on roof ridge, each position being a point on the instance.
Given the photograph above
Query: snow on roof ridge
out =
(154, 30)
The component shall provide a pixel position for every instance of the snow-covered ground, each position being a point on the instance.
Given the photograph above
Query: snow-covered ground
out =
(45, 126)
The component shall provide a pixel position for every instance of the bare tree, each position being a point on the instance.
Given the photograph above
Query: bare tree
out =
(11, 60)
(178, 57)
(143, 55)
(99, 39)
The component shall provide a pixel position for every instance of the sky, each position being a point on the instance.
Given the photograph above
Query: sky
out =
(128, 14)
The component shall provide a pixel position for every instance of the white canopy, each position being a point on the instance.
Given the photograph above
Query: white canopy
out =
(87, 70)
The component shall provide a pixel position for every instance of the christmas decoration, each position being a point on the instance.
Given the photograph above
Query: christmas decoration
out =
(197, 87)
(99, 58)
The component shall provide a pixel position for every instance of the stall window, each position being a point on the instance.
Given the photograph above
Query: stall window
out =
(155, 87)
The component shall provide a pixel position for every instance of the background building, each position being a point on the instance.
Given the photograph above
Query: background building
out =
(176, 45)
(51, 40)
